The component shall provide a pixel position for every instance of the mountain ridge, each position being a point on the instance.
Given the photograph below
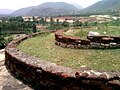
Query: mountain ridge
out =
(104, 6)
(77, 5)
(6, 11)
(62, 8)
(47, 9)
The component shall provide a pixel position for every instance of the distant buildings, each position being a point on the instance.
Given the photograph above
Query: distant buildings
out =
(31, 18)
(92, 18)
(70, 19)
(104, 18)
(61, 19)
(100, 16)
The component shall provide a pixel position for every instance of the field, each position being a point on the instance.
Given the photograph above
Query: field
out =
(44, 48)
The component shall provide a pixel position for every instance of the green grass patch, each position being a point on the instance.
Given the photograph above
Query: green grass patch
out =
(44, 48)
(83, 32)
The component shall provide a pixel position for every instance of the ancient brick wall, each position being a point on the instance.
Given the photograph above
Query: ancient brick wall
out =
(91, 42)
(68, 41)
(43, 75)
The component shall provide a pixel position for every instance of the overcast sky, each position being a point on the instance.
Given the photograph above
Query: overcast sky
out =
(17, 4)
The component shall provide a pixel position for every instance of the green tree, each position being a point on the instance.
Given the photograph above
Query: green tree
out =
(85, 24)
(51, 21)
(34, 28)
(42, 21)
(0, 30)
(2, 42)
(65, 23)
(77, 23)
(18, 19)
(57, 21)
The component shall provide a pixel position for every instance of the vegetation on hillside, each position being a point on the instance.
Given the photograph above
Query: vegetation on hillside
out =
(110, 7)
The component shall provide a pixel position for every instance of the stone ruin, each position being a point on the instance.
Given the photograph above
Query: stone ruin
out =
(91, 42)
(44, 75)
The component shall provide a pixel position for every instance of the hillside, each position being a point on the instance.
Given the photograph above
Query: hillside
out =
(77, 5)
(22, 11)
(47, 9)
(111, 7)
(6, 11)
(104, 6)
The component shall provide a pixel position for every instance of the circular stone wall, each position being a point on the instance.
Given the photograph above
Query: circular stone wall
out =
(49, 76)
(92, 42)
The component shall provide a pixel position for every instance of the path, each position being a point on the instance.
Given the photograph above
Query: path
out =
(8, 82)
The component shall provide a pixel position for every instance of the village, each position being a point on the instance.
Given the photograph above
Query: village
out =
(91, 18)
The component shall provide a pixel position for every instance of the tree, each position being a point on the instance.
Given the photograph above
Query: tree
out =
(34, 28)
(0, 30)
(18, 19)
(85, 24)
(77, 23)
(65, 23)
(57, 21)
(42, 21)
(51, 21)
(2, 42)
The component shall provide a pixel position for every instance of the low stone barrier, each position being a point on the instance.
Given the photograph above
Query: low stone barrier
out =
(91, 42)
(43, 75)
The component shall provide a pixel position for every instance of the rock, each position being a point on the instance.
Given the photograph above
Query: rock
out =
(104, 32)
(93, 33)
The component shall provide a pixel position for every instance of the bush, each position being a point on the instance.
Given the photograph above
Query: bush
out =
(54, 27)
(2, 42)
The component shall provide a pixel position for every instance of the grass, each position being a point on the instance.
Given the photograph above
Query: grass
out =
(44, 48)
(83, 32)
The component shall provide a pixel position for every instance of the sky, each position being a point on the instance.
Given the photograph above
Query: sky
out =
(17, 4)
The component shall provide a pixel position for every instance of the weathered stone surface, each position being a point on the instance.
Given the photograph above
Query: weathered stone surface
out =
(114, 82)
(98, 42)
(103, 76)
(8, 82)
(50, 76)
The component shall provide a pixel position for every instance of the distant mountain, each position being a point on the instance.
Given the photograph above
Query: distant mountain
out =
(47, 9)
(77, 5)
(23, 11)
(62, 8)
(6, 11)
(104, 6)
